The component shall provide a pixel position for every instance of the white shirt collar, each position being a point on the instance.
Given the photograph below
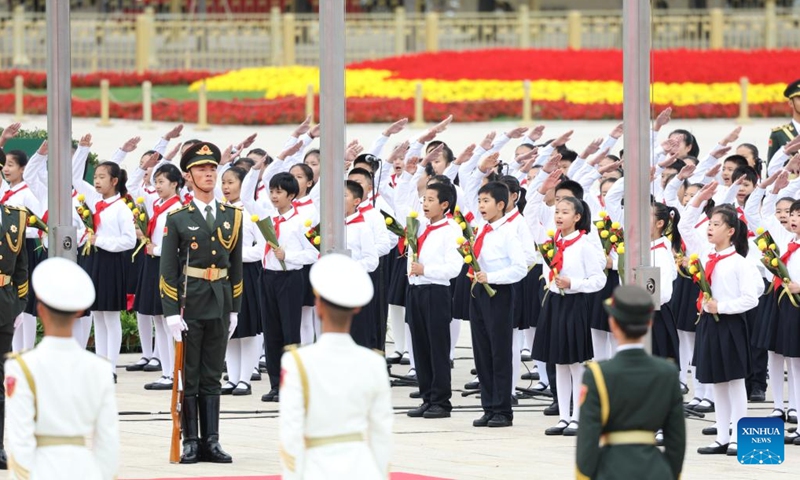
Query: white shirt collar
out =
(202, 205)
(352, 217)
(630, 346)
(571, 235)
(728, 250)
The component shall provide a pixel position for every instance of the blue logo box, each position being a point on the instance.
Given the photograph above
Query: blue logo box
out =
(760, 441)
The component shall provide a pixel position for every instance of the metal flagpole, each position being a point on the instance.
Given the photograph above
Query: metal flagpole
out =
(61, 238)
(332, 125)
(636, 115)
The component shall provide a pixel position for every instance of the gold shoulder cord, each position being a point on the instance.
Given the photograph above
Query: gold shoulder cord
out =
(29, 377)
(231, 242)
(23, 221)
(788, 132)
(602, 391)
(301, 370)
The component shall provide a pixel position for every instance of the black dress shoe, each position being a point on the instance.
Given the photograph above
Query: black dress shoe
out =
(154, 365)
(684, 388)
(243, 388)
(163, 383)
(558, 429)
(777, 413)
(710, 431)
(415, 394)
(791, 416)
(394, 359)
(405, 360)
(255, 376)
(571, 430)
(499, 421)
(138, 366)
(436, 411)
(270, 397)
(191, 452)
(525, 355)
(552, 410)
(703, 408)
(227, 389)
(789, 439)
(514, 400)
(796, 441)
(530, 376)
(483, 421)
(472, 386)
(758, 395)
(417, 412)
(733, 449)
(715, 449)
(213, 453)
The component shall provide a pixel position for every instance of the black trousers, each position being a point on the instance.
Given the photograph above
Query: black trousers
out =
(551, 377)
(757, 377)
(204, 355)
(491, 323)
(428, 314)
(283, 306)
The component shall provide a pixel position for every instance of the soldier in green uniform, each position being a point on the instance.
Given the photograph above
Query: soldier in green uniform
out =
(784, 134)
(625, 400)
(13, 291)
(208, 233)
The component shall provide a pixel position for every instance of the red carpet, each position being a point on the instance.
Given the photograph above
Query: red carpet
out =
(394, 476)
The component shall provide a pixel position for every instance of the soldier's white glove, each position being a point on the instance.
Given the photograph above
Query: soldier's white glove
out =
(234, 321)
(176, 325)
(18, 320)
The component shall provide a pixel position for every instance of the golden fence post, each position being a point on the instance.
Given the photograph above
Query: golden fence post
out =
(150, 25)
(142, 43)
(717, 25)
(431, 32)
(770, 24)
(310, 102)
(419, 107)
(399, 31)
(202, 108)
(574, 28)
(524, 26)
(275, 35)
(147, 104)
(104, 104)
(526, 101)
(744, 107)
(288, 39)
(18, 38)
(19, 95)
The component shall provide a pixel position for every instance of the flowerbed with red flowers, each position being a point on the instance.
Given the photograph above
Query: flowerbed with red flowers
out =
(38, 80)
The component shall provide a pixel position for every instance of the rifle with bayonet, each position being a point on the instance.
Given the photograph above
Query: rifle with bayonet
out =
(177, 384)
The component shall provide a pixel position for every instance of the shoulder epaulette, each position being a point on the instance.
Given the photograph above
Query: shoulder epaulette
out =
(233, 206)
(19, 209)
(289, 348)
(779, 128)
(379, 352)
(179, 209)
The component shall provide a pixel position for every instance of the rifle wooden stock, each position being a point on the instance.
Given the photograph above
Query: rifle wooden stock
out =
(177, 405)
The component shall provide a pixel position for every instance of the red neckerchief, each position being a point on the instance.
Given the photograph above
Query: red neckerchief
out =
(711, 264)
(657, 246)
(469, 217)
(301, 203)
(74, 193)
(150, 190)
(704, 220)
(187, 198)
(10, 193)
(98, 209)
(602, 200)
(558, 259)
(512, 217)
(158, 210)
(740, 211)
(790, 249)
(358, 219)
(478, 245)
(366, 209)
(276, 222)
(428, 230)
(259, 189)
(393, 181)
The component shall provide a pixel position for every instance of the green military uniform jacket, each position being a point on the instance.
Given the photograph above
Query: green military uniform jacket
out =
(779, 137)
(186, 231)
(13, 263)
(636, 392)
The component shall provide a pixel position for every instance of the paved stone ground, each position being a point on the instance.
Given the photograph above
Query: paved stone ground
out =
(449, 448)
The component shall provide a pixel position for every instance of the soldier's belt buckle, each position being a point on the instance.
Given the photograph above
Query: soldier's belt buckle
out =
(5, 280)
(212, 274)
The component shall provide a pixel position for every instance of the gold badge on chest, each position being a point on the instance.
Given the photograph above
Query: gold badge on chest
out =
(227, 225)
(13, 228)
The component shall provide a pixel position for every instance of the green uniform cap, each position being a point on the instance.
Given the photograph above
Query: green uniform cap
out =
(792, 90)
(630, 305)
(201, 153)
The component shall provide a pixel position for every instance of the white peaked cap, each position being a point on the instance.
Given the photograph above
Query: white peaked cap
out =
(341, 281)
(63, 285)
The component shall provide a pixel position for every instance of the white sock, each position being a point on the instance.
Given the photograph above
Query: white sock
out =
(541, 367)
(528, 335)
(516, 359)
(776, 378)
(794, 376)
(686, 351)
(145, 324)
(455, 331)
(737, 396)
(723, 411)
(100, 334)
(317, 329)
(564, 384)
(397, 320)
(249, 358)
(81, 330)
(24, 335)
(410, 347)
(576, 371)
(307, 326)
(114, 342)
(164, 346)
(791, 377)
(233, 360)
(601, 345)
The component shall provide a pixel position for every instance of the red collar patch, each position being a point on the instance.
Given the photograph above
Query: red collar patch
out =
(11, 384)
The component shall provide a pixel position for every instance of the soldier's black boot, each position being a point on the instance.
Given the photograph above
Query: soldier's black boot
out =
(191, 453)
(210, 449)
(3, 458)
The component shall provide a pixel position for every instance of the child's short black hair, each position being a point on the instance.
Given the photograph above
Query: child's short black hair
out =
(747, 172)
(444, 193)
(739, 160)
(363, 172)
(285, 181)
(498, 191)
(572, 186)
(355, 189)
(677, 166)
(567, 154)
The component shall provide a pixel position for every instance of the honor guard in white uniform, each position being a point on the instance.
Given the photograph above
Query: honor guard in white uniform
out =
(330, 429)
(62, 414)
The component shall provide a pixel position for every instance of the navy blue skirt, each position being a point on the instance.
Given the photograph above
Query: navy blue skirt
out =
(108, 271)
(787, 342)
(529, 301)
(36, 254)
(148, 294)
(563, 335)
(398, 283)
(461, 287)
(308, 299)
(599, 317)
(765, 335)
(251, 312)
(665, 335)
(684, 303)
(134, 266)
(721, 349)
